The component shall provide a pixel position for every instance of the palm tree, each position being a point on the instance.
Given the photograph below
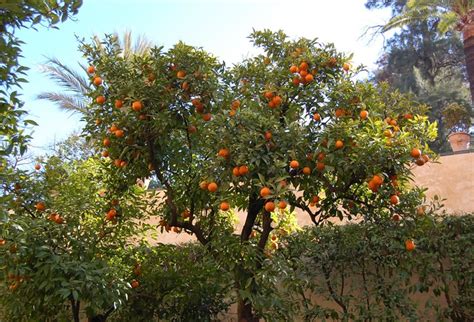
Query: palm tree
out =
(451, 15)
(75, 84)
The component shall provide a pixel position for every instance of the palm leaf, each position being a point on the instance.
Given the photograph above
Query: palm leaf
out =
(65, 76)
(69, 103)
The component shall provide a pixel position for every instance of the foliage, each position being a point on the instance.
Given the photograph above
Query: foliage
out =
(58, 247)
(457, 118)
(363, 271)
(215, 136)
(177, 283)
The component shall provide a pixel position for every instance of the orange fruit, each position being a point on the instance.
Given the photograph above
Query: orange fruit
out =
(235, 104)
(339, 144)
(119, 133)
(296, 81)
(118, 103)
(137, 106)
(293, 69)
(98, 121)
(270, 206)
(304, 66)
(315, 199)
(203, 185)
(425, 158)
(117, 162)
(410, 245)
(420, 162)
(282, 204)
(37, 166)
(393, 122)
(113, 128)
(181, 74)
(377, 179)
(394, 200)
(100, 99)
(415, 153)
(268, 135)
(106, 142)
(277, 100)
(232, 113)
(40, 206)
(373, 186)
(207, 117)
(235, 171)
(224, 153)
(196, 102)
(307, 170)
(271, 104)
(346, 67)
(388, 133)
(186, 214)
(212, 187)
(91, 69)
(243, 170)
(105, 153)
(2, 242)
(111, 214)
(268, 95)
(320, 166)
(420, 211)
(321, 156)
(396, 217)
(339, 112)
(303, 73)
(135, 284)
(97, 81)
(59, 219)
(316, 117)
(309, 78)
(407, 116)
(224, 206)
(185, 86)
(294, 164)
(364, 114)
(264, 192)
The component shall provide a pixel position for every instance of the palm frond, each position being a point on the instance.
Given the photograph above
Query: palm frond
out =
(65, 76)
(69, 103)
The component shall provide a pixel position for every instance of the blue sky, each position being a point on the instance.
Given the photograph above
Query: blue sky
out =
(219, 26)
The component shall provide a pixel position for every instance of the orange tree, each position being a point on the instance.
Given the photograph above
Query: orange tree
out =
(288, 129)
(63, 241)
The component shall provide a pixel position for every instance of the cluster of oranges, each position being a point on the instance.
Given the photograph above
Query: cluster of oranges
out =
(301, 73)
(419, 157)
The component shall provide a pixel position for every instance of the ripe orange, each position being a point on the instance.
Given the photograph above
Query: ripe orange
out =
(394, 200)
(420, 162)
(119, 133)
(388, 133)
(339, 144)
(100, 99)
(320, 166)
(91, 69)
(185, 86)
(97, 81)
(294, 164)
(373, 186)
(265, 191)
(111, 214)
(40, 206)
(235, 104)
(98, 121)
(303, 73)
(243, 170)
(339, 112)
(396, 217)
(105, 153)
(118, 103)
(415, 153)
(409, 245)
(212, 187)
(268, 135)
(408, 116)
(293, 69)
(304, 66)
(106, 142)
(224, 206)
(377, 179)
(393, 122)
(270, 206)
(346, 67)
(37, 166)
(296, 81)
(268, 95)
(321, 156)
(307, 170)
(282, 204)
(135, 284)
(316, 117)
(59, 219)
(277, 101)
(113, 128)
(235, 171)
(315, 199)
(203, 185)
(2, 242)
(224, 153)
(309, 78)
(425, 158)
(186, 214)
(207, 117)
(196, 102)
(137, 106)
(232, 113)
(117, 163)
(364, 114)
(181, 74)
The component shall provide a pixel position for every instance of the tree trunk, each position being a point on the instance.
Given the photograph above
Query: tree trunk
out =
(468, 40)
(245, 313)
